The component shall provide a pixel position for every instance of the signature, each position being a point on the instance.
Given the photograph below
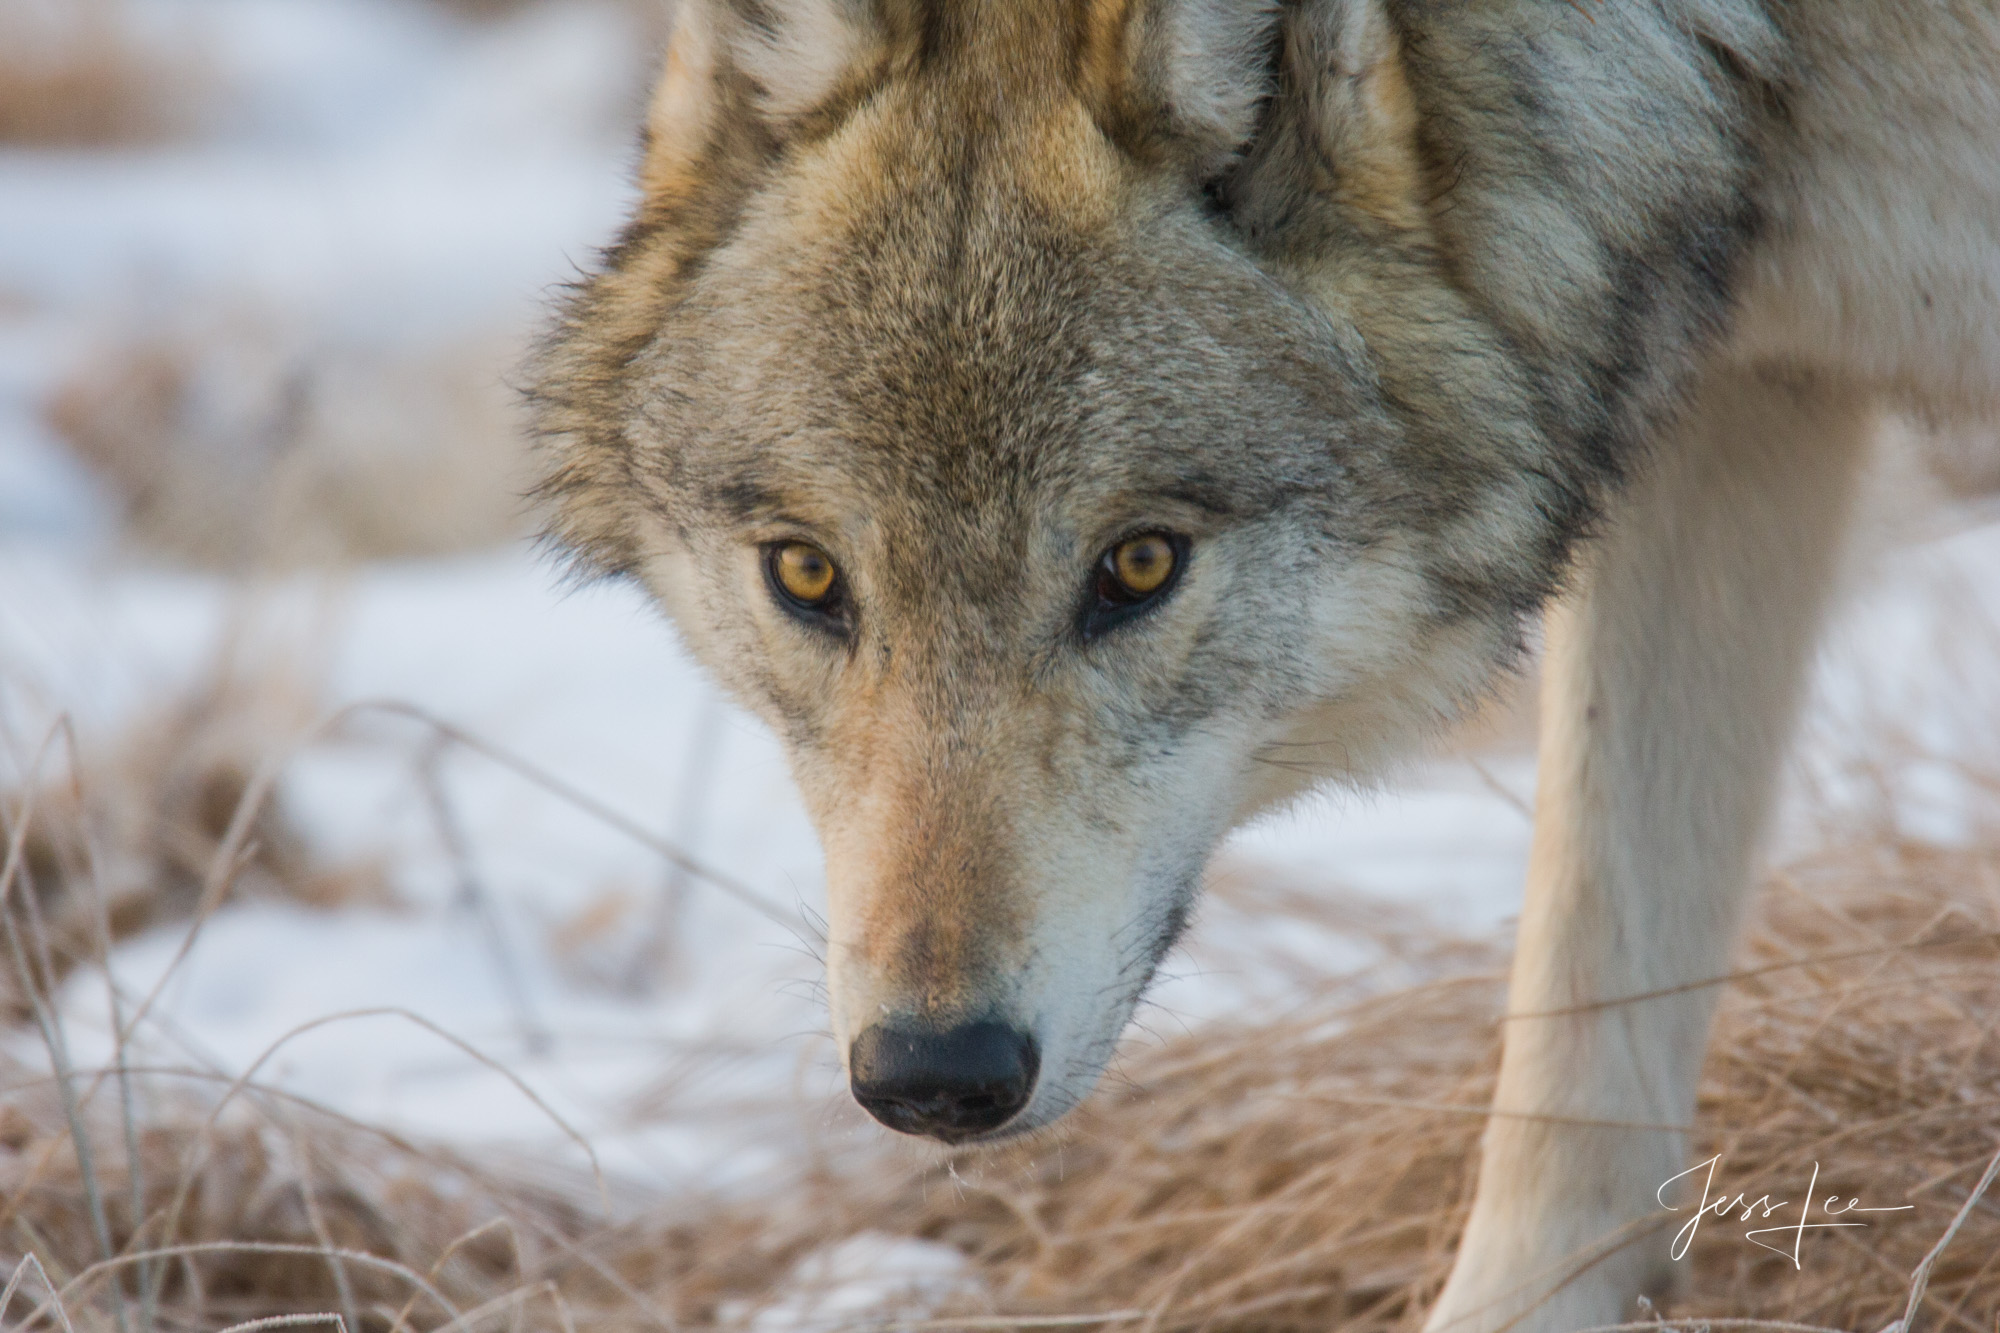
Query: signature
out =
(1761, 1208)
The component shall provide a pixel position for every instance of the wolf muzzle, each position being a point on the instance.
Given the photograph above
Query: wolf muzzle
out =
(950, 1083)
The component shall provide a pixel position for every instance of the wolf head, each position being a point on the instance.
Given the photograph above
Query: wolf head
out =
(1073, 425)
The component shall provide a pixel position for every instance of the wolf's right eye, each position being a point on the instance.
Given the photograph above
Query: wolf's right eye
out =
(804, 577)
(1132, 578)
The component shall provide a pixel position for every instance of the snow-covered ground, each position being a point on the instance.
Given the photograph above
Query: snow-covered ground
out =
(388, 172)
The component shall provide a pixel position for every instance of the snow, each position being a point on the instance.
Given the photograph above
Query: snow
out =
(866, 1272)
(591, 687)
(386, 172)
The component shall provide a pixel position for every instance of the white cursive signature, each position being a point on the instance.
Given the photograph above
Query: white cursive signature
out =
(1724, 1204)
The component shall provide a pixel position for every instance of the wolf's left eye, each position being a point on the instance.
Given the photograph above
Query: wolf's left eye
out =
(1133, 577)
(804, 578)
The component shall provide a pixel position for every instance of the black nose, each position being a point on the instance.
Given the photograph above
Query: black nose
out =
(950, 1084)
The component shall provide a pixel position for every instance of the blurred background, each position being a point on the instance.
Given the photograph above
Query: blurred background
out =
(352, 851)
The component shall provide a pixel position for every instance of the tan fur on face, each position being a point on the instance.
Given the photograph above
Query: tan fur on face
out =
(931, 893)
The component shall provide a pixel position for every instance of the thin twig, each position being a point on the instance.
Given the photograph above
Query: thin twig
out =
(48, 1021)
(1920, 1280)
(1011, 1321)
(590, 805)
(288, 1321)
(1749, 973)
(1502, 790)
(386, 1011)
(360, 1258)
(472, 897)
(343, 1288)
(656, 944)
(1654, 1326)
(445, 1257)
(52, 1298)
(515, 1298)
(135, 1170)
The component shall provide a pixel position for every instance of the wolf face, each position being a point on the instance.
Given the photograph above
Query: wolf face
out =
(1066, 426)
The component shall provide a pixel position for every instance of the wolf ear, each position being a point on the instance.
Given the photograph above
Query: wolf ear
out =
(1348, 97)
(1186, 76)
(770, 62)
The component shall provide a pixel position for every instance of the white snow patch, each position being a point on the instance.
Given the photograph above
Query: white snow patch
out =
(863, 1281)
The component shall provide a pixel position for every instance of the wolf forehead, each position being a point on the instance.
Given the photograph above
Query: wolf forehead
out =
(947, 400)
(910, 306)
(937, 347)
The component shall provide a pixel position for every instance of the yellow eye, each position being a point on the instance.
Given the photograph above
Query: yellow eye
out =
(804, 573)
(1133, 577)
(1143, 564)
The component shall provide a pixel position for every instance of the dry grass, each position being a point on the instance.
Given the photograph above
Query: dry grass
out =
(1309, 1173)
(75, 73)
(242, 443)
(128, 836)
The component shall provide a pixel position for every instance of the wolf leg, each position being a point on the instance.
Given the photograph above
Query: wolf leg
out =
(1671, 680)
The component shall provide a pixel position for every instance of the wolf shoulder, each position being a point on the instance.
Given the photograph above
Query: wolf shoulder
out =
(1878, 257)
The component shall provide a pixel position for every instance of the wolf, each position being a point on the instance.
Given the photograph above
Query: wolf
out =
(1076, 426)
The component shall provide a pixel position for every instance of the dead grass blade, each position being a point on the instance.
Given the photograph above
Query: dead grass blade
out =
(29, 1263)
(535, 775)
(1920, 1281)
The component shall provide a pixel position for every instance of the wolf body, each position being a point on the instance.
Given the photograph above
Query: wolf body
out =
(1391, 325)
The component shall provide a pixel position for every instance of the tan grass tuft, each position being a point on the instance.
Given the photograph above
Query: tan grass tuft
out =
(75, 73)
(127, 838)
(244, 444)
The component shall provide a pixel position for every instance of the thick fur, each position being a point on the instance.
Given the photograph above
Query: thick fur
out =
(1387, 305)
